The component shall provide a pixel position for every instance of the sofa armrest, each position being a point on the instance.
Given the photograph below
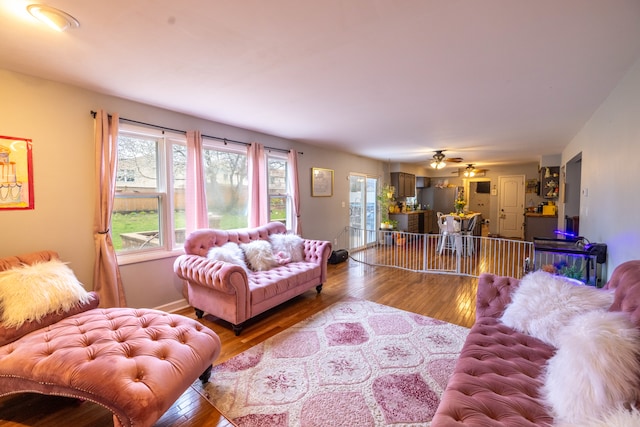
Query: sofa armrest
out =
(222, 276)
(494, 293)
(318, 251)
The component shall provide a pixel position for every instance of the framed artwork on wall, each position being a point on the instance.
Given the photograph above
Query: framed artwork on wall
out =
(16, 173)
(321, 182)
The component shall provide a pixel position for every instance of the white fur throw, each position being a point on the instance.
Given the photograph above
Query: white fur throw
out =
(595, 369)
(620, 417)
(30, 292)
(291, 245)
(259, 255)
(543, 303)
(229, 252)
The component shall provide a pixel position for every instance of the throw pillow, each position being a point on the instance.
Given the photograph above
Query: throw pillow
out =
(259, 255)
(543, 303)
(291, 246)
(595, 369)
(229, 252)
(30, 292)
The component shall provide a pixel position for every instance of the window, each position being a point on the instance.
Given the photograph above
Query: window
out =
(149, 215)
(142, 205)
(226, 184)
(277, 189)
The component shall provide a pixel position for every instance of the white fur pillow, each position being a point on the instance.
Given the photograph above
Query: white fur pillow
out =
(595, 369)
(259, 255)
(543, 303)
(30, 292)
(291, 245)
(229, 252)
(619, 417)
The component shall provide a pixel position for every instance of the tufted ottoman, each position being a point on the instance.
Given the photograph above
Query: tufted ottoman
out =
(135, 362)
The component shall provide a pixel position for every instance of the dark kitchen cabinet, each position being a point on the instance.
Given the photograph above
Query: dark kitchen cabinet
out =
(404, 183)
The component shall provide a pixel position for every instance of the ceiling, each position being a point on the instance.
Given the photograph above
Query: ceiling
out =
(491, 81)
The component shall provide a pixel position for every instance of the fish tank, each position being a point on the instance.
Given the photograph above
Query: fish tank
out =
(575, 258)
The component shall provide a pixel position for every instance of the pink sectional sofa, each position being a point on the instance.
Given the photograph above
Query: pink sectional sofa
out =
(498, 378)
(236, 294)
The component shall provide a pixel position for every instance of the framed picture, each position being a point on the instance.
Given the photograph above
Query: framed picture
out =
(321, 182)
(16, 173)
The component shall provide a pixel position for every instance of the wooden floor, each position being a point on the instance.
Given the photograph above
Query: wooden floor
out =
(446, 297)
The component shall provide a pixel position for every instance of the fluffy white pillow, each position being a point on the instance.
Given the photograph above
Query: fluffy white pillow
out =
(259, 255)
(619, 417)
(229, 252)
(30, 292)
(595, 369)
(543, 303)
(291, 245)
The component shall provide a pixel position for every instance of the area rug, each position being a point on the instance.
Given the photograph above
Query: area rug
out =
(356, 363)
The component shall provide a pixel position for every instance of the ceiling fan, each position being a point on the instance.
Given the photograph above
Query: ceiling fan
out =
(439, 160)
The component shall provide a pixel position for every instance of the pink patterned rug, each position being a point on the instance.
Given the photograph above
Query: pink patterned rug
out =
(356, 363)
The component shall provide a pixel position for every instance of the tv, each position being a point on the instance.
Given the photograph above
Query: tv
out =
(483, 187)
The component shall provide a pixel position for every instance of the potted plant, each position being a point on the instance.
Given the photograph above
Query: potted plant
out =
(385, 201)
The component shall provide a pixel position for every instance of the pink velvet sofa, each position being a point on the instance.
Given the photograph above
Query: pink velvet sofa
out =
(135, 362)
(497, 379)
(236, 294)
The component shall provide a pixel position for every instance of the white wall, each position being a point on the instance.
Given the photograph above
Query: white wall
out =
(57, 118)
(610, 146)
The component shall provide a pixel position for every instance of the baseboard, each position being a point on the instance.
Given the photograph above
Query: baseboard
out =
(174, 306)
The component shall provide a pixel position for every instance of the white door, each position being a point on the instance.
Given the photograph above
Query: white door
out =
(511, 206)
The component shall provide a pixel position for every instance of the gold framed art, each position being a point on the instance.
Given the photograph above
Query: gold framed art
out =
(321, 182)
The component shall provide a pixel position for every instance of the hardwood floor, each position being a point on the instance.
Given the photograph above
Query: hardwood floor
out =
(447, 297)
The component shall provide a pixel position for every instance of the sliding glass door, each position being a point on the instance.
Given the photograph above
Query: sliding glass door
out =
(363, 212)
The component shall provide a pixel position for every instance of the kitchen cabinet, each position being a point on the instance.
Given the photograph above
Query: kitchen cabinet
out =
(549, 182)
(405, 184)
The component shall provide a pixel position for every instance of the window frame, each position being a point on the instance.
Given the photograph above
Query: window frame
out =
(164, 193)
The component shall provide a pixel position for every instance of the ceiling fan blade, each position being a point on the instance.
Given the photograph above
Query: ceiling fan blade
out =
(454, 159)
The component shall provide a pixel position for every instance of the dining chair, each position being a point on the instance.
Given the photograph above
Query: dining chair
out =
(468, 236)
(450, 235)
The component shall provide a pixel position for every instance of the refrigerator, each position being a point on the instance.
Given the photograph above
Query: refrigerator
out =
(439, 199)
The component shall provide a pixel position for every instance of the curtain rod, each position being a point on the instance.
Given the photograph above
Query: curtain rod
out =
(225, 140)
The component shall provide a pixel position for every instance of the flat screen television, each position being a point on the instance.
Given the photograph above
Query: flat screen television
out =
(483, 187)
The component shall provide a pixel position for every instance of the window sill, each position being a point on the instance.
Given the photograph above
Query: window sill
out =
(139, 257)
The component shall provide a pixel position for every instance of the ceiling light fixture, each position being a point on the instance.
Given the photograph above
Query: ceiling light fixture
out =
(55, 18)
(438, 160)
(469, 171)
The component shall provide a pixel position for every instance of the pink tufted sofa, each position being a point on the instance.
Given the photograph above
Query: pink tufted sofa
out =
(228, 292)
(135, 362)
(496, 381)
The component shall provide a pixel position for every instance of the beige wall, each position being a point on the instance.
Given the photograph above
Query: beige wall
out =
(57, 118)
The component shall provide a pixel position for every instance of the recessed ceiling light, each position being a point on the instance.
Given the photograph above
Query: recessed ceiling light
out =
(55, 18)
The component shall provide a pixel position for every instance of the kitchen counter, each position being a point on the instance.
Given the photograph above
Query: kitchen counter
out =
(418, 221)
(539, 225)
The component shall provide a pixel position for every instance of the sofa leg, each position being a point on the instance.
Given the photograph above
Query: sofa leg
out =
(199, 313)
(319, 288)
(237, 328)
(206, 375)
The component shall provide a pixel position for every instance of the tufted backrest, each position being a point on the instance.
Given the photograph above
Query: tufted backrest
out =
(494, 293)
(200, 241)
(30, 258)
(626, 282)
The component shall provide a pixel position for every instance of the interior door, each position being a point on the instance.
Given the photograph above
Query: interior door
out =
(511, 206)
